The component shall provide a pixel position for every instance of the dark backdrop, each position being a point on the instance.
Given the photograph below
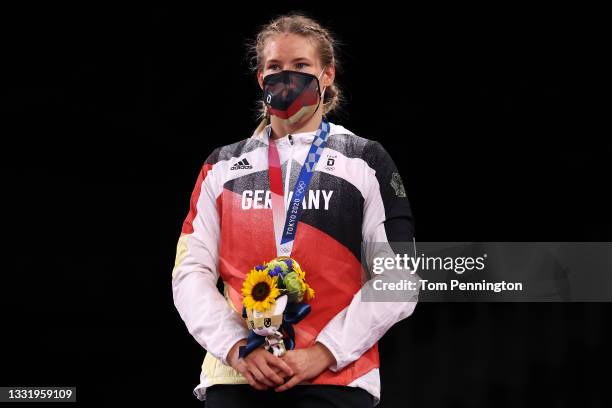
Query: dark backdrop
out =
(110, 111)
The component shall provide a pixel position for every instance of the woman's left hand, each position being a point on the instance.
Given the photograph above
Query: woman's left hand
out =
(306, 363)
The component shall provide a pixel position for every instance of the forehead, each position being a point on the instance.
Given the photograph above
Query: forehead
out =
(287, 47)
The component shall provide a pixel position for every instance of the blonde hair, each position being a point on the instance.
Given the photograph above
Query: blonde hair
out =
(325, 43)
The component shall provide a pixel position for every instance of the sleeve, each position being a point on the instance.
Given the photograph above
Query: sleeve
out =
(387, 218)
(205, 311)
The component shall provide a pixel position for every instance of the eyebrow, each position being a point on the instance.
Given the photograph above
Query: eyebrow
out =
(294, 60)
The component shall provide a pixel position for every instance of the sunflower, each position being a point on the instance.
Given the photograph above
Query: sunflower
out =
(299, 271)
(259, 290)
(309, 293)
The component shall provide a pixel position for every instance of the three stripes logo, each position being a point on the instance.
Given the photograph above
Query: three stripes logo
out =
(242, 164)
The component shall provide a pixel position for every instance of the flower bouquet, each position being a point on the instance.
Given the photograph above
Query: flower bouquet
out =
(274, 299)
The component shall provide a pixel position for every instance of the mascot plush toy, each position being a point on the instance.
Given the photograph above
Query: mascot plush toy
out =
(268, 325)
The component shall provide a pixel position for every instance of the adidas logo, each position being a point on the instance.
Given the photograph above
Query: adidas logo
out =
(242, 164)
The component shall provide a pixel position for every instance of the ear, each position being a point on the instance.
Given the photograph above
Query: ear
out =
(280, 304)
(328, 76)
(260, 78)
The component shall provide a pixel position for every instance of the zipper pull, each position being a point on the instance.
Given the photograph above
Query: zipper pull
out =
(291, 140)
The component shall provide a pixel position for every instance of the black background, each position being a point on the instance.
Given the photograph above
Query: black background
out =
(490, 115)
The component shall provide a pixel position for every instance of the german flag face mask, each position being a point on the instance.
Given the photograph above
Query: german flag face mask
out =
(292, 95)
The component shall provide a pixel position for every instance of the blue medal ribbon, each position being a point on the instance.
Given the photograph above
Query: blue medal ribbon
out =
(294, 209)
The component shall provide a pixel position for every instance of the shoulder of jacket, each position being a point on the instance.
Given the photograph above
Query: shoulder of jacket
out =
(235, 149)
(349, 143)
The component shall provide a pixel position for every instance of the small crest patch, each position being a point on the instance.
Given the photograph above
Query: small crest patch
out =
(398, 186)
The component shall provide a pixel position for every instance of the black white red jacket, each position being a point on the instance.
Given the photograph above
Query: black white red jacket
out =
(356, 195)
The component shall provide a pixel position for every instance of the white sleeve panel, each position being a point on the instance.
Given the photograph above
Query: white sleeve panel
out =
(362, 323)
(205, 311)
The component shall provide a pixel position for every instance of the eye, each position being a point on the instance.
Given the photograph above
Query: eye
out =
(273, 66)
(300, 65)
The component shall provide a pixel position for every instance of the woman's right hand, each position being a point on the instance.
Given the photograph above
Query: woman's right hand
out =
(261, 368)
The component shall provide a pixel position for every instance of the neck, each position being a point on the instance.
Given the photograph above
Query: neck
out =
(281, 129)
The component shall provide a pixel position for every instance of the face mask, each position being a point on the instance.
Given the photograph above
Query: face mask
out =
(292, 95)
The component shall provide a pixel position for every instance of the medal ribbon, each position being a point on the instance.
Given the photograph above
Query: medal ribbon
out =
(286, 220)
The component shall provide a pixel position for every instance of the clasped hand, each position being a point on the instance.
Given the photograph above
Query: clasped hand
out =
(264, 370)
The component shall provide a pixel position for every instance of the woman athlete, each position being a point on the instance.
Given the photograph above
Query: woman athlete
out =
(354, 196)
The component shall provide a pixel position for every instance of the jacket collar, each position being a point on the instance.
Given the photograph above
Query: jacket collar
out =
(298, 138)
